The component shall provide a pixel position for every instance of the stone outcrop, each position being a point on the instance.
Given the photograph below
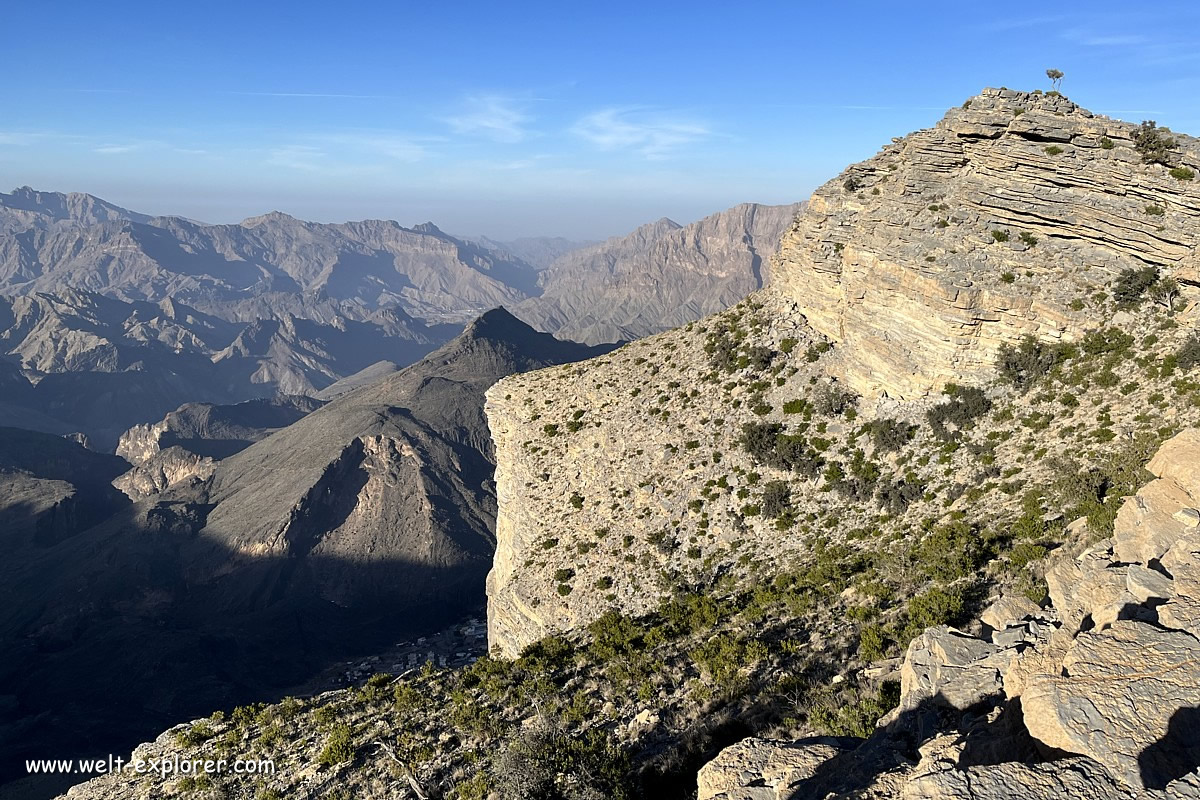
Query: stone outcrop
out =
(163, 470)
(761, 769)
(1100, 690)
(899, 259)
(214, 431)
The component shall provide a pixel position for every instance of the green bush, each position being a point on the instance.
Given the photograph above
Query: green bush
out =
(1028, 362)
(1151, 144)
(935, 606)
(1182, 174)
(1106, 143)
(1132, 284)
(338, 747)
(546, 762)
(1053, 150)
(889, 435)
(1188, 356)
(776, 499)
(1000, 236)
(966, 404)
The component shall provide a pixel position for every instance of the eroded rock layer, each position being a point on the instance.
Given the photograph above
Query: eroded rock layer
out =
(999, 221)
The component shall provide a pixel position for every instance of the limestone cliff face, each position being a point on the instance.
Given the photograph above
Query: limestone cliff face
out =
(898, 259)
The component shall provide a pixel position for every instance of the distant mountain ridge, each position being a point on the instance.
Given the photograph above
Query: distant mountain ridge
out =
(657, 276)
(661, 275)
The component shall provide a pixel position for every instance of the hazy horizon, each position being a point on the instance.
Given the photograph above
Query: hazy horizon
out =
(581, 123)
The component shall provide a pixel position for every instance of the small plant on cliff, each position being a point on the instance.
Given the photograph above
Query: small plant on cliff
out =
(776, 499)
(889, 435)
(338, 748)
(1151, 144)
(851, 184)
(1164, 292)
(1188, 356)
(1053, 150)
(1155, 211)
(1028, 239)
(1000, 236)
(1182, 174)
(1106, 143)
(546, 762)
(1132, 284)
(1025, 364)
(966, 404)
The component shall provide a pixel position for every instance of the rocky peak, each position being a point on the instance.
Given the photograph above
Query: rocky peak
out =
(429, 228)
(1002, 220)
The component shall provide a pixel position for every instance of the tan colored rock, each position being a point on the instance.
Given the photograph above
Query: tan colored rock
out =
(1009, 610)
(1068, 779)
(1118, 695)
(762, 769)
(895, 260)
(949, 668)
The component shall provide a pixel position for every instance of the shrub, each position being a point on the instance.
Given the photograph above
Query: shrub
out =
(1106, 143)
(814, 351)
(1000, 236)
(831, 400)
(545, 762)
(760, 357)
(935, 606)
(1028, 239)
(550, 429)
(1182, 174)
(1053, 150)
(1132, 284)
(1155, 211)
(889, 435)
(194, 735)
(1188, 356)
(576, 500)
(851, 184)
(338, 748)
(966, 404)
(776, 499)
(788, 344)
(1153, 146)
(1008, 277)
(1025, 364)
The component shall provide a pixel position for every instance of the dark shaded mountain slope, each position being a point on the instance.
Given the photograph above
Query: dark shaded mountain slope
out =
(369, 519)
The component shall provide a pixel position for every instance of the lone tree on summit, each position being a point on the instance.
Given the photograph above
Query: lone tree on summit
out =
(1055, 76)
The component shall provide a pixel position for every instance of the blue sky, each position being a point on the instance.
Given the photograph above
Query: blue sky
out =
(509, 119)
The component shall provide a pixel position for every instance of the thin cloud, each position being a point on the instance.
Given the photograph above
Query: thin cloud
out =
(649, 134)
(315, 95)
(22, 138)
(495, 117)
(398, 148)
(115, 149)
(299, 157)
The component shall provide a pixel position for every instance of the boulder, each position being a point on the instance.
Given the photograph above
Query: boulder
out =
(950, 669)
(763, 769)
(1127, 697)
